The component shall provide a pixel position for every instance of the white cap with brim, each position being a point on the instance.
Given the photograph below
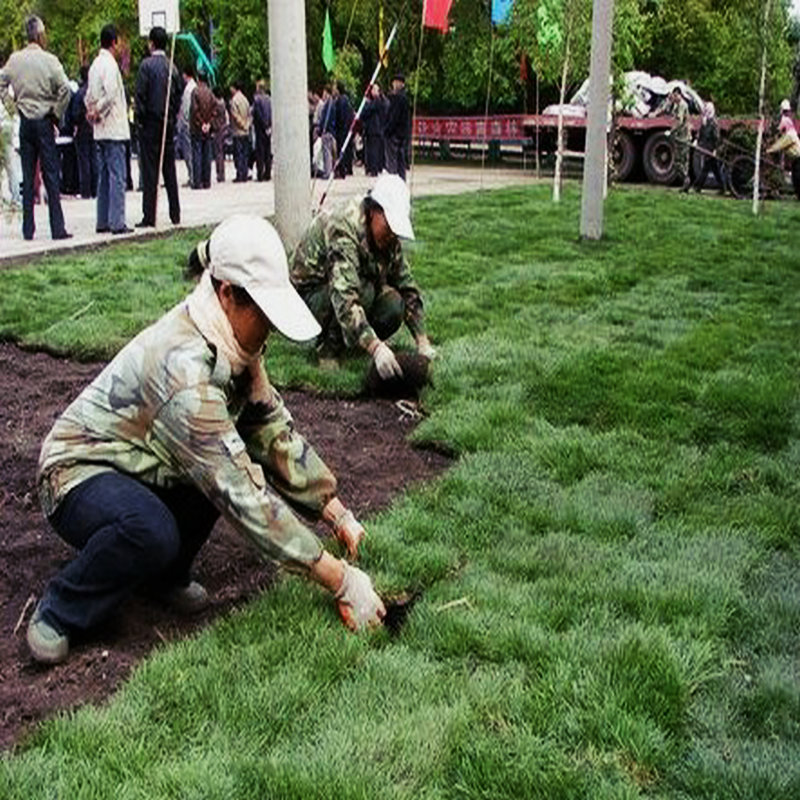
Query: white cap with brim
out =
(786, 105)
(247, 251)
(391, 194)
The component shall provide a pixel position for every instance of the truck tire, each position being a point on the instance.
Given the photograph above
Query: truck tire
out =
(623, 155)
(658, 159)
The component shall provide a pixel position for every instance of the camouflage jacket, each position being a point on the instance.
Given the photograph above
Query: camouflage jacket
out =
(335, 252)
(167, 411)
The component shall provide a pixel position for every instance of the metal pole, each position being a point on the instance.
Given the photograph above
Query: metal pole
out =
(289, 84)
(597, 122)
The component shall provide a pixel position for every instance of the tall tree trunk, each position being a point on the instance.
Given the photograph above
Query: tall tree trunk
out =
(560, 137)
(761, 89)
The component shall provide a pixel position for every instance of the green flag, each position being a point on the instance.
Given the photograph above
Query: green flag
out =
(328, 56)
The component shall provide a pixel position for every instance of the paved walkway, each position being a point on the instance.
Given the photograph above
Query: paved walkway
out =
(206, 207)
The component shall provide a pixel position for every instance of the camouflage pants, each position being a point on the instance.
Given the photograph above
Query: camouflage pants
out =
(385, 314)
(681, 159)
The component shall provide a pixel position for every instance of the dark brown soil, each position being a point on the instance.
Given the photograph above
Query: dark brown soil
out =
(363, 442)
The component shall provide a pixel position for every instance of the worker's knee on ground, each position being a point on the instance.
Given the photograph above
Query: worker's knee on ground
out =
(387, 312)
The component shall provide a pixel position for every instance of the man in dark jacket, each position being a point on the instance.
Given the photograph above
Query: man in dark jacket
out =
(151, 102)
(202, 111)
(262, 123)
(373, 119)
(83, 135)
(398, 129)
(344, 119)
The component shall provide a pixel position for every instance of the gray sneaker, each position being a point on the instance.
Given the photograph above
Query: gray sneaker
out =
(189, 599)
(46, 644)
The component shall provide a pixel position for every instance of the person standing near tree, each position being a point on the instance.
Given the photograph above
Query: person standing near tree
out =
(151, 103)
(220, 128)
(788, 143)
(240, 128)
(181, 427)
(708, 141)
(201, 119)
(183, 129)
(398, 128)
(41, 96)
(83, 136)
(262, 124)
(107, 110)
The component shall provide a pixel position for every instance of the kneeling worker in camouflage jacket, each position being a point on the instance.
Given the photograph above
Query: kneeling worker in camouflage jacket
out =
(350, 269)
(181, 427)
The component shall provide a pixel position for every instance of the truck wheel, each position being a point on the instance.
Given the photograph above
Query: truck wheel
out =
(659, 159)
(623, 155)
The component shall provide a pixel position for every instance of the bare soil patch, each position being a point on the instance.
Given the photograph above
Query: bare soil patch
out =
(364, 441)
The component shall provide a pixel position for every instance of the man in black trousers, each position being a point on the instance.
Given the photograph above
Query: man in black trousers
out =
(397, 132)
(151, 103)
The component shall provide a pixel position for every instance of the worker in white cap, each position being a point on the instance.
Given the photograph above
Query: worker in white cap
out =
(351, 270)
(788, 143)
(181, 427)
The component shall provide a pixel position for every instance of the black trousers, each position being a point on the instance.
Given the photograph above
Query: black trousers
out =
(396, 156)
(37, 142)
(149, 151)
(87, 166)
(263, 156)
(710, 164)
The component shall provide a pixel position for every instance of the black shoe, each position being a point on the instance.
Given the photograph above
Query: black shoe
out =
(63, 235)
(145, 224)
(102, 230)
(126, 229)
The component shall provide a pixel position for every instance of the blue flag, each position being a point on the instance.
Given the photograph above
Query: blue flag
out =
(501, 10)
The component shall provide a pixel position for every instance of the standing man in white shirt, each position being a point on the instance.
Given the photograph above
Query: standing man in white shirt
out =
(183, 129)
(107, 110)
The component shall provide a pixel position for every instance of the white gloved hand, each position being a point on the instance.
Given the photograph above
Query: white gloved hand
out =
(349, 531)
(359, 605)
(425, 348)
(385, 362)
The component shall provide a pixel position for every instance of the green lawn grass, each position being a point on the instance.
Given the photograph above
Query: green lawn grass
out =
(609, 573)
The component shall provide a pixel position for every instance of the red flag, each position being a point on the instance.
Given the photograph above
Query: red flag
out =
(436, 12)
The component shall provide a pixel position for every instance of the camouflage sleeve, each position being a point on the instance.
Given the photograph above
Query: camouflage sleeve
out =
(403, 281)
(291, 464)
(196, 434)
(344, 288)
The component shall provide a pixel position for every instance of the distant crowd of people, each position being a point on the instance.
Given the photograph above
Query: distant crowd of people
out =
(380, 139)
(79, 138)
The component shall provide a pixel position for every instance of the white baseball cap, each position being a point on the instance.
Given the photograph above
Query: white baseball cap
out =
(786, 105)
(246, 251)
(391, 194)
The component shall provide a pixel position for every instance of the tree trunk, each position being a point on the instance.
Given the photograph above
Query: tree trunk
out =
(761, 88)
(560, 137)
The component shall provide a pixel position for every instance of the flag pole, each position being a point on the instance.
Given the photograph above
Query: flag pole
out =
(358, 115)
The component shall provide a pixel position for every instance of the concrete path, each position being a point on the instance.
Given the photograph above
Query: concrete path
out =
(209, 206)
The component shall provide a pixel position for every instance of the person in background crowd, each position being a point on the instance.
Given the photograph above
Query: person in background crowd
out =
(788, 143)
(82, 132)
(220, 128)
(11, 168)
(181, 427)
(344, 119)
(201, 119)
(107, 110)
(262, 124)
(41, 94)
(398, 128)
(350, 269)
(325, 126)
(708, 141)
(373, 120)
(240, 128)
(183, 125)
(151, 104)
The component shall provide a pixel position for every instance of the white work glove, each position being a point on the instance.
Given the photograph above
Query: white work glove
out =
(425, 348)
(349, 531)
(385, 362)
(359, 605)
